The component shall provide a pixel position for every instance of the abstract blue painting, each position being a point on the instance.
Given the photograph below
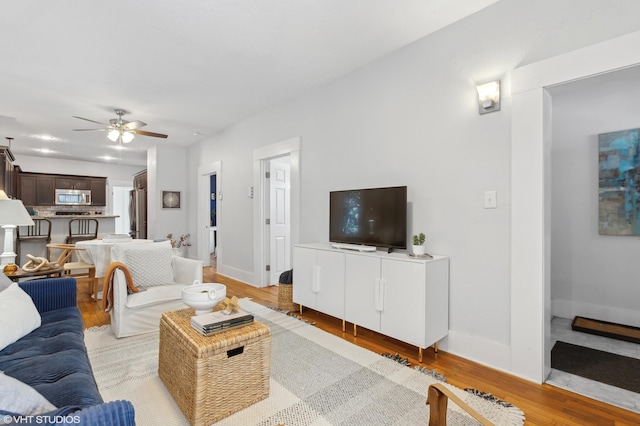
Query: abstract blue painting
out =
(619, 183)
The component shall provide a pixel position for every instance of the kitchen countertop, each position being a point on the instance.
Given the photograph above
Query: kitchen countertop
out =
(78, 216)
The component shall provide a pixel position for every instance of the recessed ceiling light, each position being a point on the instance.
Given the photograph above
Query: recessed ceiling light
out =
(107, 157)
(45, 137)
(197, 134)
(119, 147)
(44, 150)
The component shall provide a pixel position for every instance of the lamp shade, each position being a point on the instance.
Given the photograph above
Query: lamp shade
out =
(12, 212)
(113, 135)
(127, 137)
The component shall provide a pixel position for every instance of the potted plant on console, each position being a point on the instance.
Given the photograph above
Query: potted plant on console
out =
(418, 244)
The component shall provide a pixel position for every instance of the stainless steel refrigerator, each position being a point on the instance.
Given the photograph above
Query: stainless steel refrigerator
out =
(138, 213)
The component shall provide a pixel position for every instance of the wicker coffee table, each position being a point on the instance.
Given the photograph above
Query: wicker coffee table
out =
(215, 376)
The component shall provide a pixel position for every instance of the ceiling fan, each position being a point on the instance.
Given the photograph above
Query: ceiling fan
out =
(120, 130)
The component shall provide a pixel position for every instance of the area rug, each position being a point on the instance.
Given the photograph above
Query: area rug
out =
(316, 379)
(604, 367)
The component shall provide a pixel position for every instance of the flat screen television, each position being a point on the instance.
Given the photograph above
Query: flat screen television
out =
(374, 217)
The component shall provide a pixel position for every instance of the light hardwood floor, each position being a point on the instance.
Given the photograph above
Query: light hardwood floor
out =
(542, 404)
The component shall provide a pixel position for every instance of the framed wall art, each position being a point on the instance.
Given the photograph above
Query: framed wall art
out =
(619, 183)
(170, 199)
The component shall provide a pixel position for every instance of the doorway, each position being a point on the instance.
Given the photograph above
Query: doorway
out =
(213, 221)
(120, 207)
(273, 244)
(277, 210)
(209, 180)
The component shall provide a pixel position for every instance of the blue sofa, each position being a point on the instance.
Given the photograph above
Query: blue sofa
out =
(53, 360)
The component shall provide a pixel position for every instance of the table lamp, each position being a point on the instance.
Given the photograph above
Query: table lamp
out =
(12, 215)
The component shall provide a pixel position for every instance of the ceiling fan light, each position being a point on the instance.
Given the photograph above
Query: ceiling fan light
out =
(113, 135)
(127, 137)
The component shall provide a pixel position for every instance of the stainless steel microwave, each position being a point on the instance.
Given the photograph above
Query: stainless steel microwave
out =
(73, 197)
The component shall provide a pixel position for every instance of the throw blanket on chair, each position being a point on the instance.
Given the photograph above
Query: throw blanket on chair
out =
(107, 291)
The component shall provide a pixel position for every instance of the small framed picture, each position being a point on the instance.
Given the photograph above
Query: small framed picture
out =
(170, 199)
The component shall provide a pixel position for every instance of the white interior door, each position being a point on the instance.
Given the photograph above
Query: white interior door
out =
(279, 218)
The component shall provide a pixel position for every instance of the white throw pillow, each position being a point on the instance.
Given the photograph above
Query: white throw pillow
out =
(18, 315)
(20, 398)
(149, 264)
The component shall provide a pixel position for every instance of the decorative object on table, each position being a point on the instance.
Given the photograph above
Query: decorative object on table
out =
(203, 297)
(418, 244)
(618, 166)
(36, 264)
(170, 199)
(218, 321)
(177, 245)
(230, 305)
(12, 215)
(183, 241)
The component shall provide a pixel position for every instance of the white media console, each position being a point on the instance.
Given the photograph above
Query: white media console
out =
(391, 293)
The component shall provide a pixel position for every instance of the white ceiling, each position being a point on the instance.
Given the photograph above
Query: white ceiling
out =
(186, 68)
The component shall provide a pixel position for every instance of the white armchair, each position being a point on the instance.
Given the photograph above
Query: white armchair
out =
(160, 277)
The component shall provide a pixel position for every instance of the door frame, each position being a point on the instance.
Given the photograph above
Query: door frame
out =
(291, 147)
(204, 207)
(531, 104)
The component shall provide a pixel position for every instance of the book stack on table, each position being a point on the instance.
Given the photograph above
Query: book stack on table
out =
(215, 322)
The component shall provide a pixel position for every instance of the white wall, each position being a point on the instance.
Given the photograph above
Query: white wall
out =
(592, 275)
(166, 171)
(411, 119)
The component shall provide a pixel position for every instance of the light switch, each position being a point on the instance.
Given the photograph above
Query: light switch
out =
(490, 201)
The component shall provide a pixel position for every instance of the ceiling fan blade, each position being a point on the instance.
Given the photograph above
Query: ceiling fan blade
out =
(132, 125)
(89, 130)
(144, 133)
(86, 119)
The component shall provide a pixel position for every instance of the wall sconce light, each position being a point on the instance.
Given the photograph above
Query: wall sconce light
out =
(489, 97)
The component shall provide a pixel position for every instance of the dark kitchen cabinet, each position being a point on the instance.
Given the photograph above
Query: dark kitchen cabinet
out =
(98, 188)
(38, 189)
(6, 171)
(72, 182)
(35, 189)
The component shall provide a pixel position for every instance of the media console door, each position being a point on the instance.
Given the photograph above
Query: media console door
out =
(389, 296)
(319, 280)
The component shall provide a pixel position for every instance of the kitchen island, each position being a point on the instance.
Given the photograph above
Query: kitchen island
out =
(60, 230)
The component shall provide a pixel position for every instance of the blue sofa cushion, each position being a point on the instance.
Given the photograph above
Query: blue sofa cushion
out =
(53, 360)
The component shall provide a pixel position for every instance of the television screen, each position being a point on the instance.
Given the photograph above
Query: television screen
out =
(375, 217)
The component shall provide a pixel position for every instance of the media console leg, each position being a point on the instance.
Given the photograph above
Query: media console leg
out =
(419, 354)
(435, 347)
(344, 325)
(300, 309)
(355, 330)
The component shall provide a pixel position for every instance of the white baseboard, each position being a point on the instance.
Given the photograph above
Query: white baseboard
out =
(570, 309)
(485, 352)
(237, 274)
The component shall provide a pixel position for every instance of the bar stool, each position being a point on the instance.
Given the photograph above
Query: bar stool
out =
(40, 231)
(82, 229)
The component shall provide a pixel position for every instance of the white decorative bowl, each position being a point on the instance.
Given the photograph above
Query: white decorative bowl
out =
(203, 297)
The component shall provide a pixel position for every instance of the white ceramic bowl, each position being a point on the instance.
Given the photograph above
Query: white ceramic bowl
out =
(203, 297)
